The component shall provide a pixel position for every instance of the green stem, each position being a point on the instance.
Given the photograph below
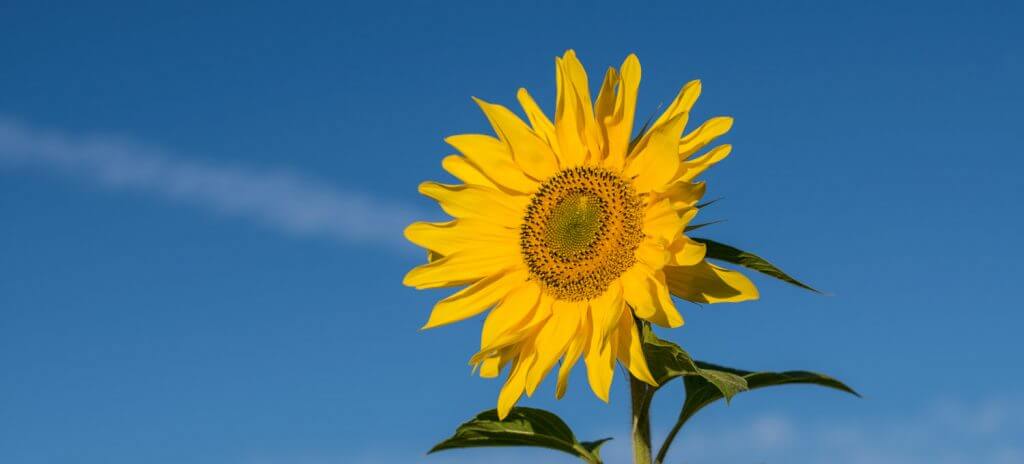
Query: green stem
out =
(640, 396)
(669, 439)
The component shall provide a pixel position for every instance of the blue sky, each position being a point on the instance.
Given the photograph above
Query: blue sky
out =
(202, 210)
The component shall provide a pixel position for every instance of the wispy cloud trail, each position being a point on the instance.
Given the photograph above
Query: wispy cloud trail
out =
(948, 431)
(290, 202)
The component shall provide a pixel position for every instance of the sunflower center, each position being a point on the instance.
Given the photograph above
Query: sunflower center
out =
(581, 232)
(574, 224)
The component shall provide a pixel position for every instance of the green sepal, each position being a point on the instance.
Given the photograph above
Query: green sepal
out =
(708, 203)
(522, 427)
(693, 227)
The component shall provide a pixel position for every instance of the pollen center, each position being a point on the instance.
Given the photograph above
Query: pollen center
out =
(581, 232)
(574, 224)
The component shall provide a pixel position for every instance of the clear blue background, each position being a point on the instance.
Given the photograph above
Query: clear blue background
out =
(877, 155)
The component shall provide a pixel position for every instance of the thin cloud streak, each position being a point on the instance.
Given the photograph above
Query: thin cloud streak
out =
(949, 431)
(287, 201)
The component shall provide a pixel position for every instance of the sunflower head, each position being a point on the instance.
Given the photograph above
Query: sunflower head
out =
(568, 232)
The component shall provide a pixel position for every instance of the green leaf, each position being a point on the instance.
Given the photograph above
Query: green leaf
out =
(666, 361)
(522, 427)
(701, 390)
(594, 447)
(769, 379)
(730, 254)
(727, 383)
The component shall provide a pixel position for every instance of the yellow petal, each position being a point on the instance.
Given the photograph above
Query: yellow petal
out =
(618, 126)
(600, 360)
(463, 267)
(553, 339)
(527, 331)
(448, 237)
(604, 106)
(686, 252)
(475, 298)
(465, 171)
(688, 170)
(646, 292)
(574, 113)
(572, 355)
(653, 252)
(538, 120)
(492, 157)
(590, 135)
(663, 222)
(531, 153)
(647, 155)
(630, 351)
(682, 104)
(478, 202)
(704, 135)
(605, 311)
(682, 195)
(707, 283)
(492, 366)
(513, 388)
(515, 313)
(654, 163)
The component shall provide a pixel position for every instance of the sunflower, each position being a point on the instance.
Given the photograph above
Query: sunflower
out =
(569, 232)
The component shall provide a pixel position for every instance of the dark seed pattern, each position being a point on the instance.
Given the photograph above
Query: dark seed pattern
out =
(581, 231)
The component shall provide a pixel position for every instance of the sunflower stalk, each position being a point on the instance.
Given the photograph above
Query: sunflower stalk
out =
(640, 395)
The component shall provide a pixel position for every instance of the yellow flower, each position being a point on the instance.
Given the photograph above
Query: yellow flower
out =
(569, 231)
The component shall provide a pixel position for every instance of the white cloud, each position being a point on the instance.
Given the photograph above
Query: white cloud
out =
(948, 432)
(282, 199)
